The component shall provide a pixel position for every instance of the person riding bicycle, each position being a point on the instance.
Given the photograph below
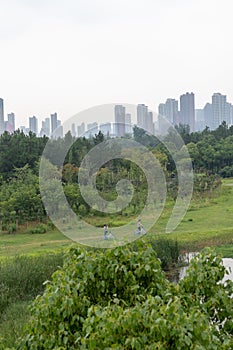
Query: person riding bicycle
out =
(105, 231)
(140, 226)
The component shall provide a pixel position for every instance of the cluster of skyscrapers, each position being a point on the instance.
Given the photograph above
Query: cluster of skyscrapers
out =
(176, 112)
(49, 125)
(211, 116)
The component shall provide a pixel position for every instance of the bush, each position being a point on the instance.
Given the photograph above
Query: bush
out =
(82, 210)
(90, 278)
(120, 299)
(41, 228)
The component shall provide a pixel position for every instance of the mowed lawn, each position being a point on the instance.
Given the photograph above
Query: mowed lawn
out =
(208, 221)
(26, 243)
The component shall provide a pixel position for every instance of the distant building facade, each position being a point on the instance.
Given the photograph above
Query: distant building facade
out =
(45, 129)
(220, 110)
(10, 124)
(2, 123)
(54, 123)
(187, 110)
(199, 120)
(81, 129)
(145, 118)
(119, 125)
(33, 125)
(208, 115)
(169, 109)
(128, 124)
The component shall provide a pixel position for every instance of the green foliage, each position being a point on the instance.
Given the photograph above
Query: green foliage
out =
(120, 299)
(82, 210)
(17, 150)
(22, 277)
(20, 199)
(12, 322)
(91, 278)
(167, 251)
(41, 228)
(227, 171)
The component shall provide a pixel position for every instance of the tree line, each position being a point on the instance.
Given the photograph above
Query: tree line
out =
(211, 153)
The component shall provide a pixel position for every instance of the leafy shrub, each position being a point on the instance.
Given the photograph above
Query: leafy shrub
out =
(120, 299)
(227, 171)
(41, 228)
(196, 314)
(51, 225)
(82, 210)
(154, 324)
(90, 278)
(12, 228)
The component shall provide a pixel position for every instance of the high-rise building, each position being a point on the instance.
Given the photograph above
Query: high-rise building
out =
(162, 109)
(221, 110)
(172, 110)
(81, 129)
(45, 130)
(128, 125)
(229, 119)
(54, 123)
(10, 123)
(119, 120)
(199, 120)
(73, 130)
(187, 110)
(231, 114)
(2, 123)
(208, 115)
(169, 109)
(142, 111)
(145, 118)
(33, 125)
(149, 123)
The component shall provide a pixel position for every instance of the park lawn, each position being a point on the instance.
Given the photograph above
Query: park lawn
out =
(26, 243)
(208, 222)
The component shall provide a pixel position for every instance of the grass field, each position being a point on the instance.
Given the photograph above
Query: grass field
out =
(26, 243)
(208, 222)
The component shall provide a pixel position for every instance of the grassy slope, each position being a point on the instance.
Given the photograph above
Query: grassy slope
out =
(25, 243)
(212, 224)
(207, 222)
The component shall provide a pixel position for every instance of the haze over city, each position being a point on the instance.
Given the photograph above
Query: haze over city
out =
(66, 56)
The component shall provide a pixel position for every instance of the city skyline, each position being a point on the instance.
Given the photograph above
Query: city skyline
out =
(68, 56)
(153, 108)
(176, 112)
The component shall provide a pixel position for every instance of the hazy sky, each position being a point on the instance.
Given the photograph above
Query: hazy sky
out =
(68, 55)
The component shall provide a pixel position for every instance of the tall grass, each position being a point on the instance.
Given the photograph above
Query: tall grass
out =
(22, 277)
(12, 323)
(21, 280)
(167, 251)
